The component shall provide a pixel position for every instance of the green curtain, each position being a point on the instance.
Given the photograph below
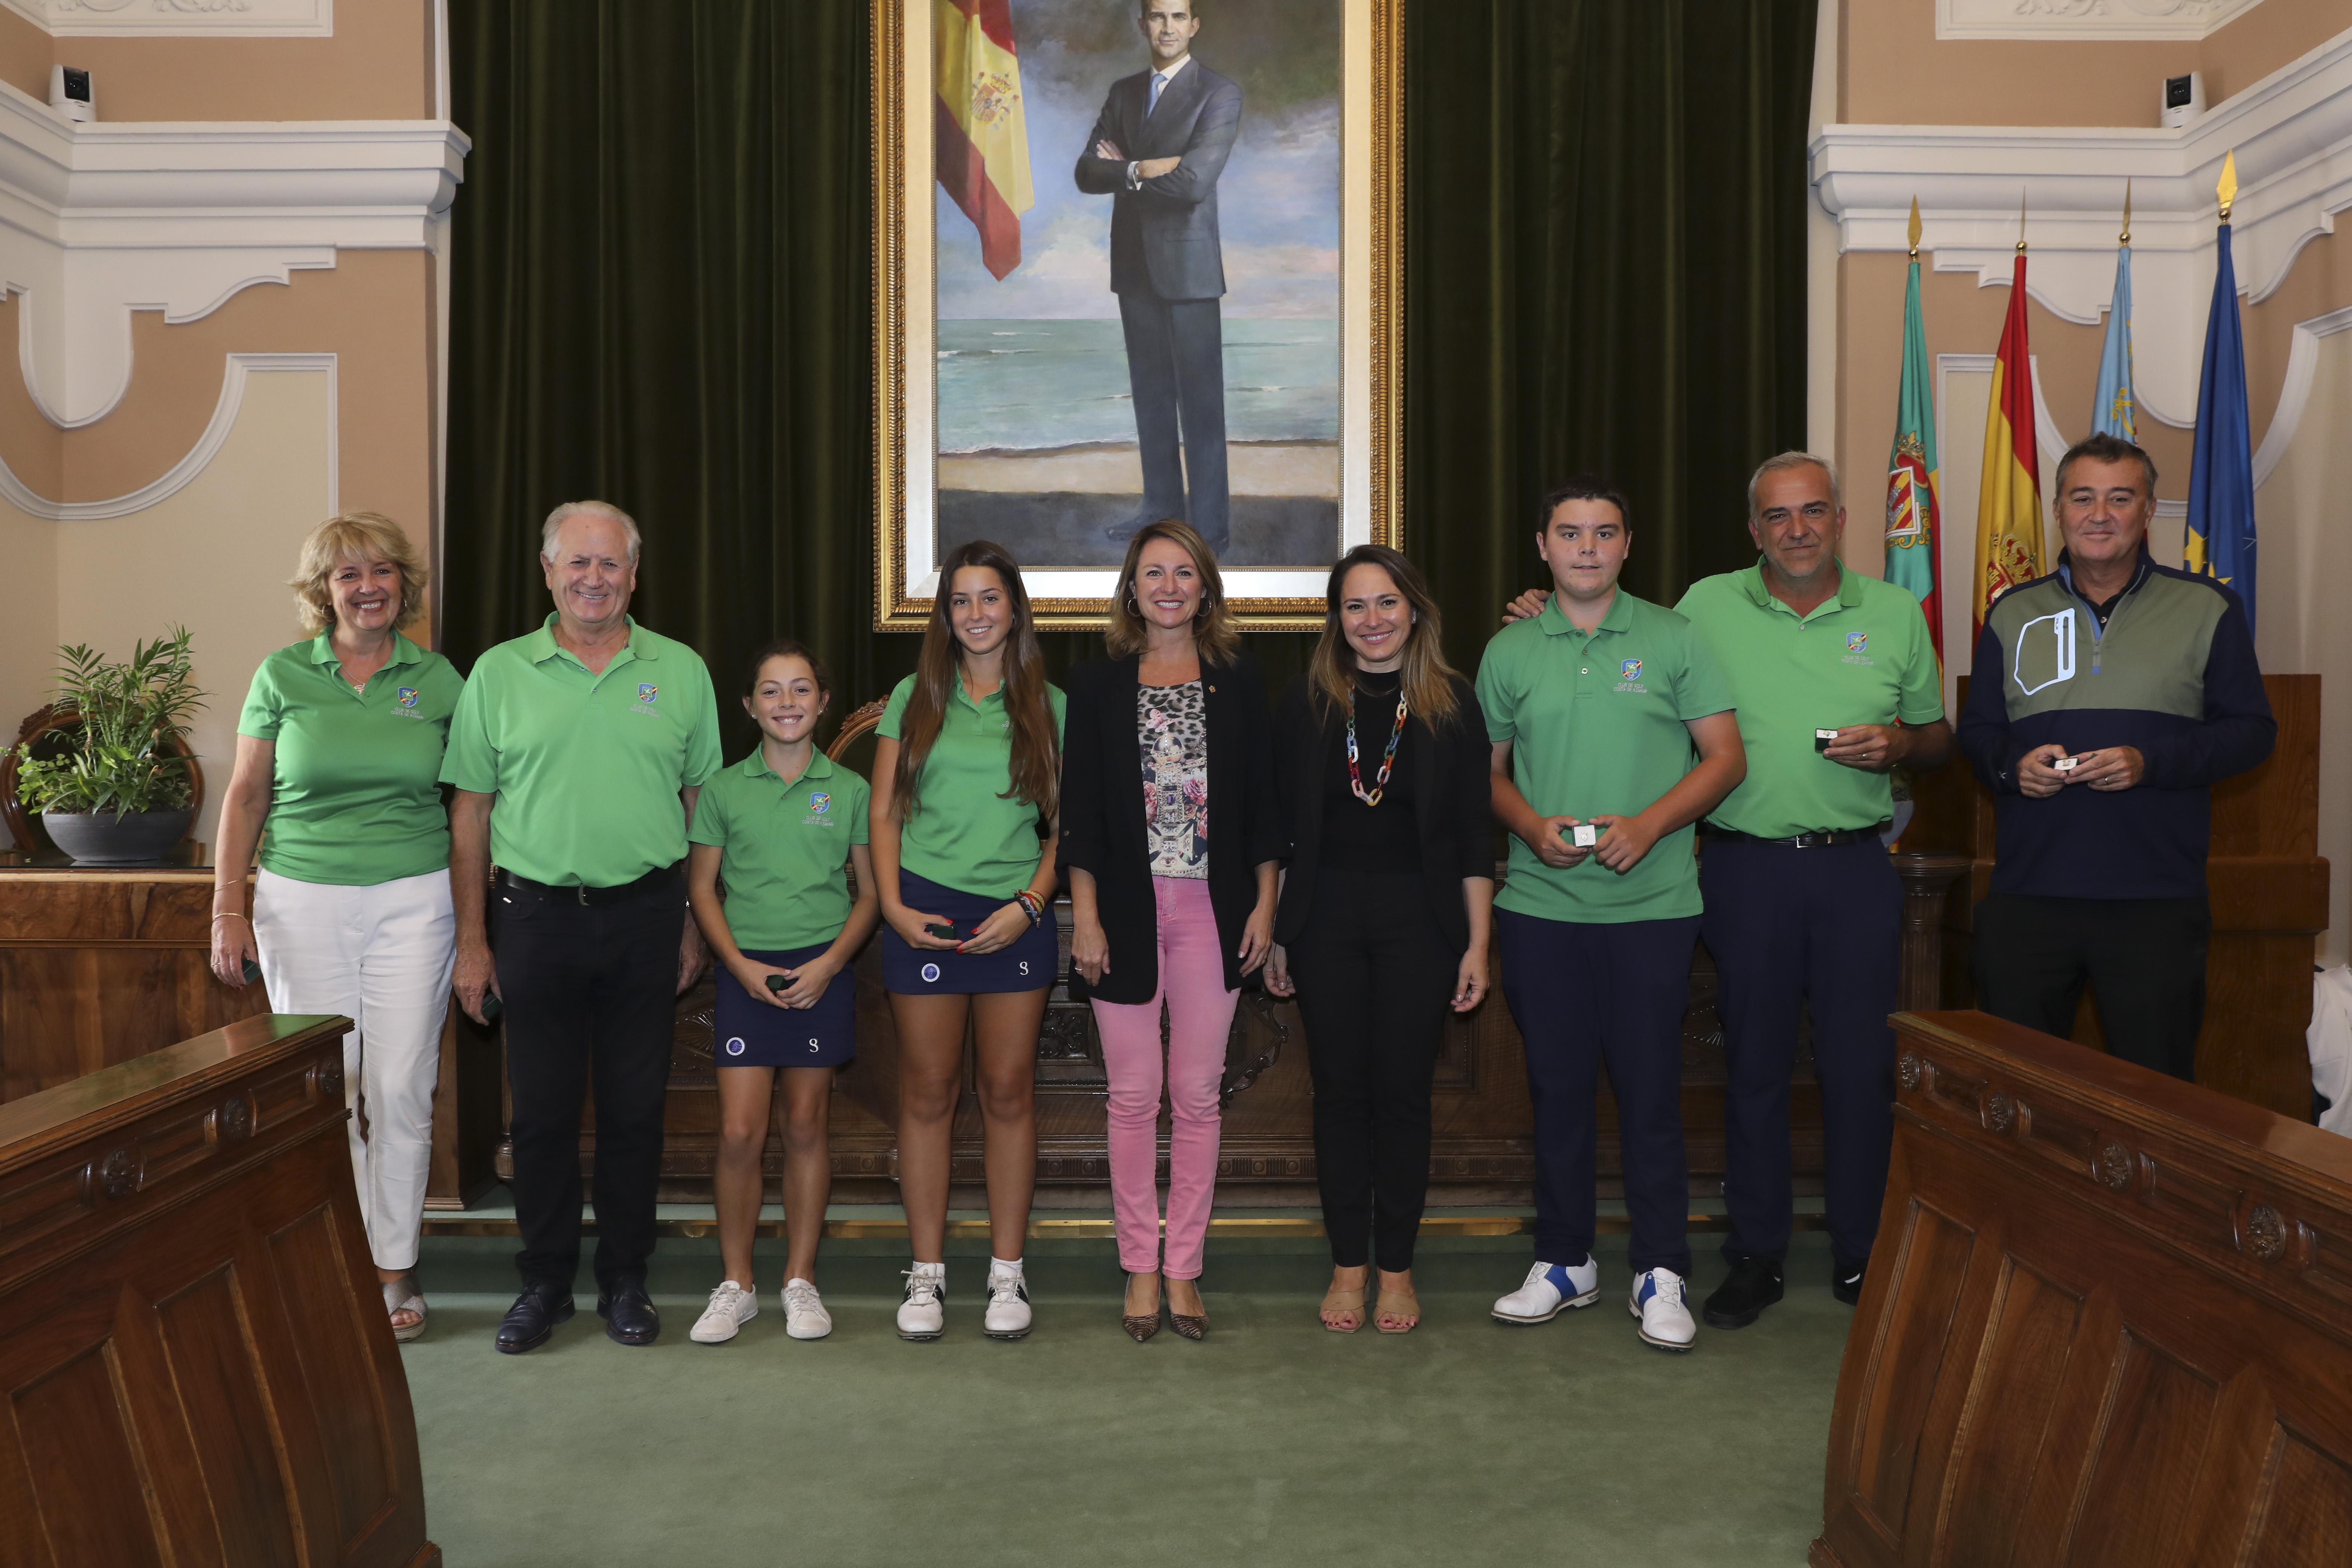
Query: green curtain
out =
(661, 296)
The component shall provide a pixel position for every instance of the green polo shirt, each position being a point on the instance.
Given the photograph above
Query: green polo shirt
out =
(967, 835)
(1596, 722)
(586, 768)
(785, 842)
(1862, 656)
(353, 799)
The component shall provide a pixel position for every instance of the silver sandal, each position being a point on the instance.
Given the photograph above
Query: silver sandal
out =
(401, 1295)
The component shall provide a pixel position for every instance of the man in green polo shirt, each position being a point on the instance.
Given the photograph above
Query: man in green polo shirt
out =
(1836, 682)
(1612, 734)
(577, 753)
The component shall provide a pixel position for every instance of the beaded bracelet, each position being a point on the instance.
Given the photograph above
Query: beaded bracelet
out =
(1031, 905)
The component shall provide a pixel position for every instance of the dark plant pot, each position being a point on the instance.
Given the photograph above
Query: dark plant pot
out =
(102, 839)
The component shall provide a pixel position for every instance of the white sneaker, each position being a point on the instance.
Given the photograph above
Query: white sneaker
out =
(924, 1313)
(1008, 1305)
(731, 1308)
(804, 1314)
(1659, 1303)
(1550, 1290)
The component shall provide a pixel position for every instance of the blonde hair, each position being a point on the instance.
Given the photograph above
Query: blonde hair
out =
(1427, 679)
(354, 536)
(1213, 632)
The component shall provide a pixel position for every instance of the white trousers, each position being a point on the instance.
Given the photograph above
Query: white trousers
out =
(382, 955)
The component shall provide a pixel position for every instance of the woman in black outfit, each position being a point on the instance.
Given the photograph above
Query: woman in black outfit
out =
(1171, 836)
(1385, 910)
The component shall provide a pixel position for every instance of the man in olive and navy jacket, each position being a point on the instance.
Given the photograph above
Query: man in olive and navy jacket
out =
(2106, 700)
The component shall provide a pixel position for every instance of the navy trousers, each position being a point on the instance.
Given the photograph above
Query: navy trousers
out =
(1176, 370)
(1588, 994)
(1791, 929)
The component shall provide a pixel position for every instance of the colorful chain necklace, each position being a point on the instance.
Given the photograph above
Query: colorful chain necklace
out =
(1388, 758)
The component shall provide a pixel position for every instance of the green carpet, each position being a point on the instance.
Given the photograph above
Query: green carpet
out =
(1274, 1442)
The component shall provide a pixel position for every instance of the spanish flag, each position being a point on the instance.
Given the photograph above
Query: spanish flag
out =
(983, 137)
(2009, 495)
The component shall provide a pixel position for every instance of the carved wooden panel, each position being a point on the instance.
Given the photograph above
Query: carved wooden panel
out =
(194, 1365)
(2108, 1322)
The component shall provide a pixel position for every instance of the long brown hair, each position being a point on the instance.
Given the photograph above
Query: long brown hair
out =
(1213, 632)
(1428, 681)
(1036, 766)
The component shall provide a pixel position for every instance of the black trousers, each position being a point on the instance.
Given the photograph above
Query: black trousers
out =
(1375, 977)
(1176, 370)
(1583, 995)
(1790, 930)
(2144, 959)
(590, 992)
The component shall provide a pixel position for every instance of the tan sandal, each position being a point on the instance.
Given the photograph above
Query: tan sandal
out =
(1344, 1302)
(1399, 1307)
(401, 1296)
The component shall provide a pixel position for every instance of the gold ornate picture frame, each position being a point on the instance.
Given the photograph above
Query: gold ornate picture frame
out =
(1039, 334)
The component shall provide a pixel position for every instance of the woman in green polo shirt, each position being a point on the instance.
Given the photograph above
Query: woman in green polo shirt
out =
(338, 756)
(967, 778)
(777, 829)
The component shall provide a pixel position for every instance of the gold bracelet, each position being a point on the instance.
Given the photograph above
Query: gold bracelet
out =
(233, 915)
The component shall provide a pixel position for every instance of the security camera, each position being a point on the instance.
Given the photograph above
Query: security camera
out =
(70, 94)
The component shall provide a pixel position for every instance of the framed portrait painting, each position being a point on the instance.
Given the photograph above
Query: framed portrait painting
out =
(1136, 259)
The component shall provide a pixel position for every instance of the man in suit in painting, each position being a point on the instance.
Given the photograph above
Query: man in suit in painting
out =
(1157, 149)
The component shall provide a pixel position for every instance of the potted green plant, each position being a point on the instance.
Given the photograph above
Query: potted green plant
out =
(110, 774)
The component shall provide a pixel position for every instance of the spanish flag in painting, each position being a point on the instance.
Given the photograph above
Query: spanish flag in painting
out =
(983, 137)
(2008, 497)
(1913, 528)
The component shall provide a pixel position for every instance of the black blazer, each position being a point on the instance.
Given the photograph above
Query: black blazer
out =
(1102, 812)
(1450, 804)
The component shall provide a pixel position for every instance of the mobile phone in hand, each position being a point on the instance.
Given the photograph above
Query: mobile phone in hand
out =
(954, 931)
(252, 972)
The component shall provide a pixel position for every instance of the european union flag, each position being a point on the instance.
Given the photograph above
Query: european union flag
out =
(2221, 471)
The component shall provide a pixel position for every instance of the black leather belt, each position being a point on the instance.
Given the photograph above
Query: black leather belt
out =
(1821, 840)
(651, 881)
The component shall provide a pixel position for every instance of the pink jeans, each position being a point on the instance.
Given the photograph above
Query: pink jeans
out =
(1200, 1017)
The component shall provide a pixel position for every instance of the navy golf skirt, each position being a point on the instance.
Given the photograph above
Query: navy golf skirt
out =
(751, 1033)
(1029, 964)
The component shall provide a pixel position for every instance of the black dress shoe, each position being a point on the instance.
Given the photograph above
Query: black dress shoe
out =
(1845, 1281)
(1739, 1300)
(533, 1317)
(629, 1313)
(1121, 531)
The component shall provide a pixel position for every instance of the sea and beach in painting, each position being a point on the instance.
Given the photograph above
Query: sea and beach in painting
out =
(1036, 410)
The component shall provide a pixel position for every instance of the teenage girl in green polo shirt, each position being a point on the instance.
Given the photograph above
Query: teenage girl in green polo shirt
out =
(967, 777)
(339, 755)
(777, 829)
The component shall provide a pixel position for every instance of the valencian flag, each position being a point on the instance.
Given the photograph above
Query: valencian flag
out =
(2009, 495)
(2221, 468)
(982, 135)
(1913, 528)
(2114, 411)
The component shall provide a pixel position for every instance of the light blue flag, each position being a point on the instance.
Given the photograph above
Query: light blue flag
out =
(2222, 464)
(2113, 410)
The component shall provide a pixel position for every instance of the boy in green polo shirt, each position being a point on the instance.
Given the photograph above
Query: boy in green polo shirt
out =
(1596, 708)
(779, 827)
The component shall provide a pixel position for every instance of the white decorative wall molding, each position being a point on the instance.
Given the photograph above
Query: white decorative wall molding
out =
(2047, 436)
(232, 397)
(2301, 365)
(2292, 135)
(179, 18)
(99, 220)
(2113, 20)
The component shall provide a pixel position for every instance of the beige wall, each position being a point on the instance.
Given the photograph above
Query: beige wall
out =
(1892, 70)
(378, 66)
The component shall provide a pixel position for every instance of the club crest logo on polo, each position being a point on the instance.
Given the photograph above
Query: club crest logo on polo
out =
(1857, 642)
(647, 692)
(1629, 677)
(1630, 670)
(408, 697)
(820, 802)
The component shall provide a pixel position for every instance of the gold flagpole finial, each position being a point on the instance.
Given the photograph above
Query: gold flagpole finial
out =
(2020, 220)
(2125, 237)
(1914, 228)
(2227, 189)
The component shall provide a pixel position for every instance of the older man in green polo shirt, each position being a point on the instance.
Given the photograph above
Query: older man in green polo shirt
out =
(1836, 682)
(577, 753)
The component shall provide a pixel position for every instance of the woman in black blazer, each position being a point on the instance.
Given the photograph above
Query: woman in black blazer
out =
(1386, 907)
(1170, 832)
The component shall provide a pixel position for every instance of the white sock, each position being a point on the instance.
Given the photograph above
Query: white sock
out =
(936, 1270)
(999, 1266)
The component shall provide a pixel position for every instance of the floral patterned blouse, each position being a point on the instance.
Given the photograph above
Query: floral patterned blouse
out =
(1171, 729)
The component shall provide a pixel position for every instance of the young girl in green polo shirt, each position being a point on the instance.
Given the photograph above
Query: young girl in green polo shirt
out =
(776, 830)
